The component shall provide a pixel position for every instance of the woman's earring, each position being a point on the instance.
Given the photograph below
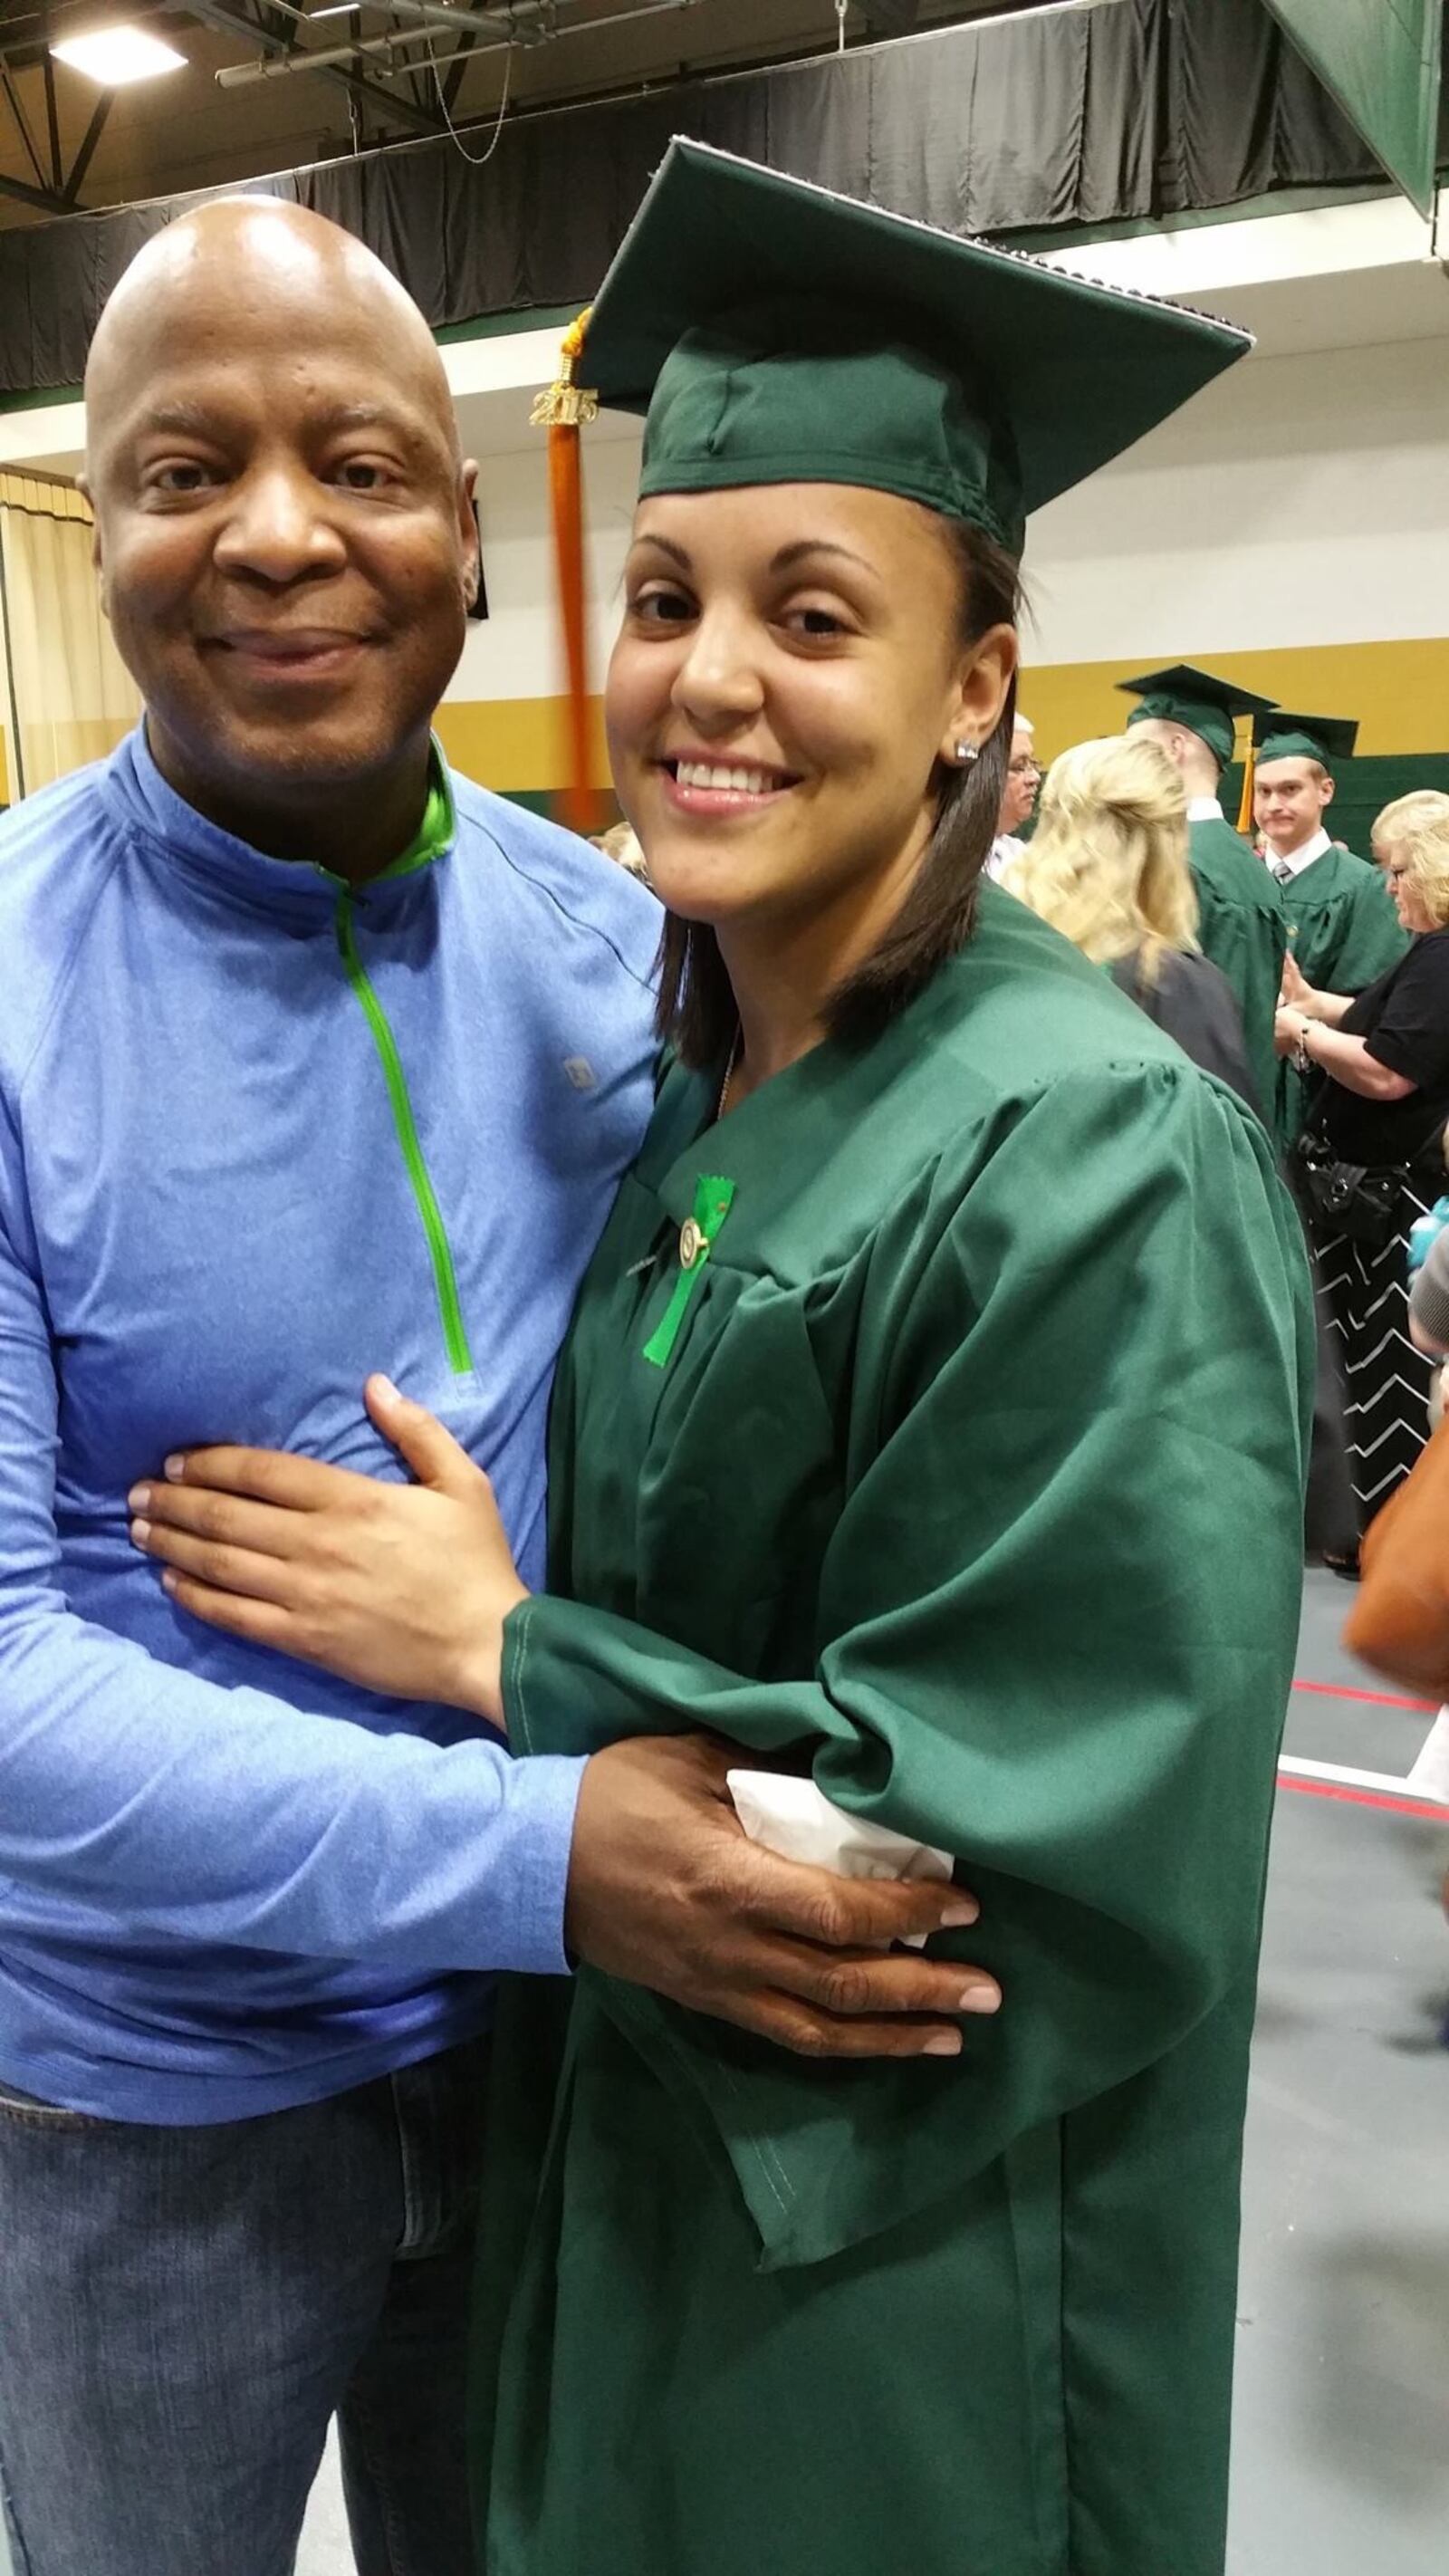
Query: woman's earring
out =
(966, 752)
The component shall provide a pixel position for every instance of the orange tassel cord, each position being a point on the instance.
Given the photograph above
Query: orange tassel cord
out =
(1245, 801)
(562, 410)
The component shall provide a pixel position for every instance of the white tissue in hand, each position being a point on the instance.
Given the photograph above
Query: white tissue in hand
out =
(797, 1820)
(1430, 1774)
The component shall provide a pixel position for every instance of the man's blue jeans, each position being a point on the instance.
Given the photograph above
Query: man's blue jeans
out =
(182, 2311)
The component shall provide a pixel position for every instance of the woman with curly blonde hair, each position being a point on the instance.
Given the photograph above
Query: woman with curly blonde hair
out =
(1108, 867)
(1422, 807)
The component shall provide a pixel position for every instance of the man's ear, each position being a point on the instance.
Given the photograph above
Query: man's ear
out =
(98, 552)
(471, 534)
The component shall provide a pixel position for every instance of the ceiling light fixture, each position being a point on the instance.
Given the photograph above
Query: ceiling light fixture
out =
(116, 56)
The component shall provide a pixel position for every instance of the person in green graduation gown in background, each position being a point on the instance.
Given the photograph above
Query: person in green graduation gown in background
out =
(1242, 927)
(931, 1424)
(1343, 931)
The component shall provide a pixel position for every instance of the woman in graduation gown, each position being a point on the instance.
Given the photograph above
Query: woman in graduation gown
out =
(931, 1422)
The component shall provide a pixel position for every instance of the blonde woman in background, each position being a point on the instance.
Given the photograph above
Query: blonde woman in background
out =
(1422, 807)
(1108, 867)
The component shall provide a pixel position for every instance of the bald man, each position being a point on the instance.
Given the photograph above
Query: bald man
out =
(314, 1060)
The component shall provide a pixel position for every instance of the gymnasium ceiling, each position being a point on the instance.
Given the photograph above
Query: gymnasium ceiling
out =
(67, 145)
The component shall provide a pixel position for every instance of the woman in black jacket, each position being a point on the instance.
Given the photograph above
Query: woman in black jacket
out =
(1372, 1153)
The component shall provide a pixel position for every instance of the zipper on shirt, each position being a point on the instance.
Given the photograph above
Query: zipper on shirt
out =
(455, 1337)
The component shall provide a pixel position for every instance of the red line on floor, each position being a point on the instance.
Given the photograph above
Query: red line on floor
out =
(1380, 1699)
(1364, 1797)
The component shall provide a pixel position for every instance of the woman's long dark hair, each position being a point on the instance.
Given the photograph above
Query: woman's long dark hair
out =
(696, 1011)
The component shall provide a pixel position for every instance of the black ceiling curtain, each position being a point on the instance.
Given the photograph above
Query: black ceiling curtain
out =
(1133, 109)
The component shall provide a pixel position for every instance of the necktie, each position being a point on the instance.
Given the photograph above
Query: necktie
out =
(1283, 872)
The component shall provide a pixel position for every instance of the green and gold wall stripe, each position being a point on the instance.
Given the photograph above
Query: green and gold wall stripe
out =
(1398, 691)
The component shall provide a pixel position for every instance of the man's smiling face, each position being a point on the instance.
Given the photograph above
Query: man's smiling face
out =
(284, 525)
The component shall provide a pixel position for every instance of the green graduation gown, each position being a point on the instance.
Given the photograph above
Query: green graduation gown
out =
(968, 1470)
(1242, 927)
(1343, 931)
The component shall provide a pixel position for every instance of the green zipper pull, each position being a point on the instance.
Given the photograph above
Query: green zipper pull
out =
(712, 1197)
(455, 1337)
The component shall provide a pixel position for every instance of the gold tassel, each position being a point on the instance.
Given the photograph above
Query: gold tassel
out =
(562, 410)
(1245, 801)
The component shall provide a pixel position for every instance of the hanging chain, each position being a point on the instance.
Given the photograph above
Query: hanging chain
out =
(479, 160)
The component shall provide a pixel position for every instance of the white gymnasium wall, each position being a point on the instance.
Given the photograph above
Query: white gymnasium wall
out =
(513, 653)
(1300, 500)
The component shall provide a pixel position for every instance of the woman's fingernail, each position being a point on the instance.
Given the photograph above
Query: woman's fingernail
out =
(176, 1468)
(981, 1999)
(946, 2043)
(140, 1532)
(962, 1909)
(169, 1580)
(385, 1384)
(139, 1498)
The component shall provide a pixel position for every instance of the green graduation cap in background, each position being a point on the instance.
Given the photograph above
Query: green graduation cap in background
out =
(1198, 701)
(1326, 739)
(773, 332)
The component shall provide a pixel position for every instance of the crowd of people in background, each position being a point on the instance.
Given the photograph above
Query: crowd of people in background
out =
(1133, 859)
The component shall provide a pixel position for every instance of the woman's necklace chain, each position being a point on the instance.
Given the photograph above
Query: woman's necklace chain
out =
(729, 1075)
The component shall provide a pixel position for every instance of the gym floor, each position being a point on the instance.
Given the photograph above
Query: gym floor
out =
(1341, 2458)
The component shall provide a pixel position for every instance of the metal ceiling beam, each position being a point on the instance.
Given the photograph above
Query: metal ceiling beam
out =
(61, 194)
(458, 70)
(45, 199)
(52, 119)
(242, 75)
(890, 17)
(228, 21)
(22, 123)
(75, 177)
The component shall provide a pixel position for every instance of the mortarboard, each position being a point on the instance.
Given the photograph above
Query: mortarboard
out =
(773, 332)
(1282, 736)
(1197, 700)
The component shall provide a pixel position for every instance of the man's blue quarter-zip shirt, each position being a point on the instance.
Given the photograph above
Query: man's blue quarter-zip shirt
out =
(258, 1137)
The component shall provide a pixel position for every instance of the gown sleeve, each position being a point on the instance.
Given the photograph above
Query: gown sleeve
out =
(1371, 940)
(1246, 938)
(1059, 1611)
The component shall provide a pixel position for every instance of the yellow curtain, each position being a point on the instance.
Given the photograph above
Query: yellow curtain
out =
(66, 697)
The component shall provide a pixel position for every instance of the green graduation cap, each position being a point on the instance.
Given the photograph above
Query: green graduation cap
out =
(1197, 700)
(1281, 736)
(773, 332)
(776, 333)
